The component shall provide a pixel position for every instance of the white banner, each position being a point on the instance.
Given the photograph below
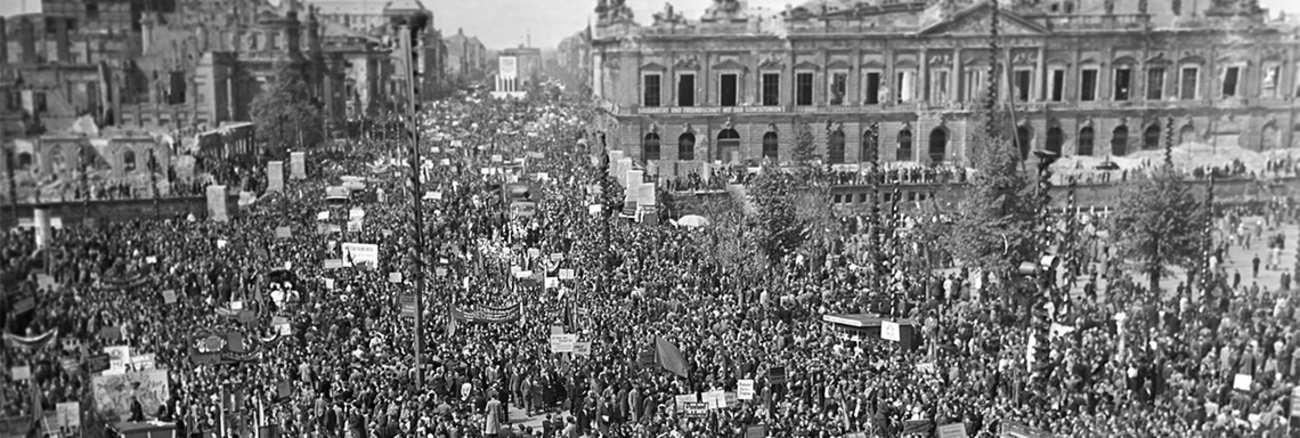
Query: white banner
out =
(217, 204)
(563, 343)
(745, 389)
(275, 176)
(298, 165)
(118, 357)
(114, 394)
(361, 253)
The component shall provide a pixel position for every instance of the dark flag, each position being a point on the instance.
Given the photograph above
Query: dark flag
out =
(670, 357)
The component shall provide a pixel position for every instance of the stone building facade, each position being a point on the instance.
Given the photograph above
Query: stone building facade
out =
(736, 87)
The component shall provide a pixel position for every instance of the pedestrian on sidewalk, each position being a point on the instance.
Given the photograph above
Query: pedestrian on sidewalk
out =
(1254, 265)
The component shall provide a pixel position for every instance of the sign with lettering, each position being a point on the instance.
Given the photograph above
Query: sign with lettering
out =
(745, 389)
(890, 331)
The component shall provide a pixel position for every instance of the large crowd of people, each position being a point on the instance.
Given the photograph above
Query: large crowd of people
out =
(1121, 361)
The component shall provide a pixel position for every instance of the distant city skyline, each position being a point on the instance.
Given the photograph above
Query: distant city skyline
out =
(510, 23)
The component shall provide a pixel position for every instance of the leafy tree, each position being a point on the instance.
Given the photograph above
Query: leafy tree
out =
(805, 146)
(778, 230)
(1159, 223)
(994, 224)
(288, 115)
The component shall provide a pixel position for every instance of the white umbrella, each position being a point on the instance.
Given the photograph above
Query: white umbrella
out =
(691, 220)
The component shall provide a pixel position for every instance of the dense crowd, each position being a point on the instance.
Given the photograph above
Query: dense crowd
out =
(1122, 361)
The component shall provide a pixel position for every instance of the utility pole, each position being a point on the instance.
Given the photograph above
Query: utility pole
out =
(417, 222)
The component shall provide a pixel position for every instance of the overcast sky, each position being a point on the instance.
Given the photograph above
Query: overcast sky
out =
(506, 23)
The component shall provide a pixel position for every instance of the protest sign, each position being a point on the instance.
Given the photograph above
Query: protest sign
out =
(680, 401)
(1295, 401)
(361, 253)
(118, 357)
(954, 430)
(551, 283)
(756, 431)
(45, 281)
(563, 343)
(582, 348)
(716, 399)
(329, 284)
(696, 410)
(890, 331)
(275, 176)
(217, 204)
(1242, 382)
(283, 233)
(394, 277)
(557, 257)
(488, 314)
(68, 417)
(332, 264)
(745, 389)
(20, 373)
(534, 253)
(566, 274)
(298, 165)
(440, 272)
(151, 259)
(141, 362)
(70, 365)
(776, 375)
(408, 306)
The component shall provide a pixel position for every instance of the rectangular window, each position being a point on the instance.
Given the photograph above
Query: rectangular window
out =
(771, 89)
(1155, 83)
(905, 84)
(1023, 78)
(1088, 85)
(729, 85)
(839, 87)
(1123, 83)
(1271, 74)
(803, 94)
(1187, 83)
(1230, 81)
(38, 99)
(1058, 85)
(651, 90)
(873, 88)
(939, 86)
(686, 90)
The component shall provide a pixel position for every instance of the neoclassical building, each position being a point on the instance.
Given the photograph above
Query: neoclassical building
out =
(1087, 77)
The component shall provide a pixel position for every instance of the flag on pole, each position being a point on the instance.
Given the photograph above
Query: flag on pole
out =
(670, 357)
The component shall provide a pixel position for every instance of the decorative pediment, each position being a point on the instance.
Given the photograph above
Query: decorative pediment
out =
(839, 64)
(729, 64)
(807, 65)
(873, 63)
(906, 63)
(1024, 57)
(1158, 58)
(1124, 60)
(727, 124)
(941, 60)
(687, 63)
(653, 67)
(1190, 57)
(976, 20)
(772, 61)
(612, 64)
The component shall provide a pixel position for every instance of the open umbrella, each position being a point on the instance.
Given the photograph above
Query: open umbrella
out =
(691, 220)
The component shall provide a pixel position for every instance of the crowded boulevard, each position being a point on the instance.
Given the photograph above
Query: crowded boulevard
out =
(294, 314)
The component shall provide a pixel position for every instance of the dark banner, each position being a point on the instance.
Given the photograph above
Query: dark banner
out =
(125, 283)
(487, 314)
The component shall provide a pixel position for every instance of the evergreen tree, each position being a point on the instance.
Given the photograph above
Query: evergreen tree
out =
(778, 230)
(805, 145)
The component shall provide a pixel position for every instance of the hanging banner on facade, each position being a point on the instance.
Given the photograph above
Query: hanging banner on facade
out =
(217, 204)
(114, 394)
(275, 176)
(298, 165)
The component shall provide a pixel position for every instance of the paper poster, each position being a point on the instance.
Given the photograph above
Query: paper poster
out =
(557, 257)
(682, 400)
(551, 283)
(169, 296)
(582, 348)
(394, 277)
(890, 331)
(141, 362)
(114, 393)
(716, 399)
(329, 284)
(745, 389)
(567, 274)
(283, 233)
(151, 260)
(534, 253)
(954, 430)
(221, 243)
(69, 417)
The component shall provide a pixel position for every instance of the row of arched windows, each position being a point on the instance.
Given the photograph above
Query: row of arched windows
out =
(937, 151)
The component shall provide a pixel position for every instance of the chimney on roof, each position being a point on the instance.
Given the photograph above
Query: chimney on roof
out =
(27, 39)
(460, 31)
